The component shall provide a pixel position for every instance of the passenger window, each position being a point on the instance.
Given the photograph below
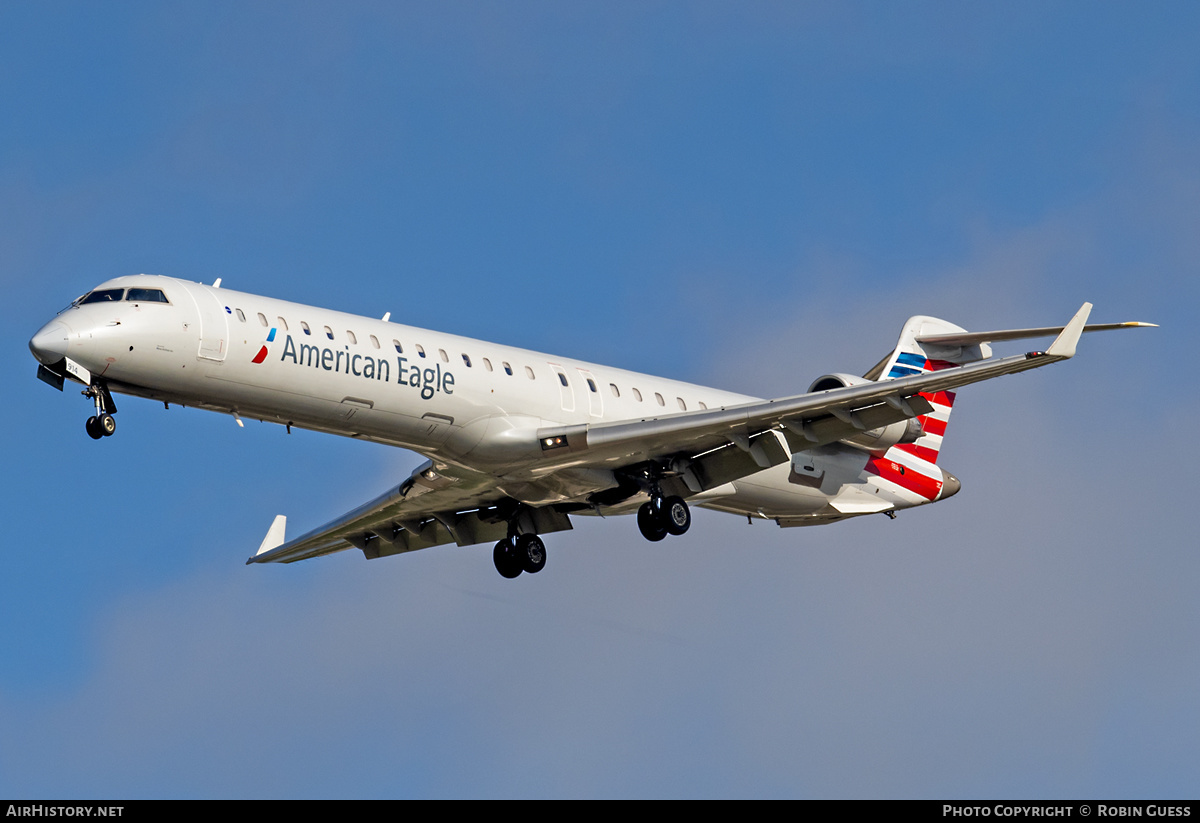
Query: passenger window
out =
(304, 326)
(682, 405)
(467, 361)
(445, 357)
(508, 369)
(616, 392)
(529, 372)
(702, 405)
(241, 315)
(562, 378)
(591, 384)
(262, 318)
(637, 394)
(659, 398)
(329, 332)
(487, 364)
(282, 323)
(399, 348)
(353, 339)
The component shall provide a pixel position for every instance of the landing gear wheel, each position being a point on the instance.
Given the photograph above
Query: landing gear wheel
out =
(506, 560)
(532, 553)
(93, 429)
(677, 517)
(106, 425)
(651, 523)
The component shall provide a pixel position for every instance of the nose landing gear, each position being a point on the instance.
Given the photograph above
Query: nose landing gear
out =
(101, 424)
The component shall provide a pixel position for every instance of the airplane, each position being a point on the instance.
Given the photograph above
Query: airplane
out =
(517, 442)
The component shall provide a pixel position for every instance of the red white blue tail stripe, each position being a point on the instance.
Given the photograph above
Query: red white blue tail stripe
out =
(910, 470)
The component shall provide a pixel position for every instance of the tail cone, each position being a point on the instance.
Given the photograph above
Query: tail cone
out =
(950, 485)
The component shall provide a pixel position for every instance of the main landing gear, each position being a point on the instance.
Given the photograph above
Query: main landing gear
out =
(525, 553)
(663, 516)
(101, 424)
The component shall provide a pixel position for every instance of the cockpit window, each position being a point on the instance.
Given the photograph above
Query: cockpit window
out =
(145, 296)
(102, 296)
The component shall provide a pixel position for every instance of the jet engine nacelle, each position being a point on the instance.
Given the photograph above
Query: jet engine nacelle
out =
(837, 381)
(877, 440)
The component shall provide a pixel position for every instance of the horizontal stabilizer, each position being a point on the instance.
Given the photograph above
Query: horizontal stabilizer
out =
(974, 338)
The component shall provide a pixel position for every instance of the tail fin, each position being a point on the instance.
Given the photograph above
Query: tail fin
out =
(909, 358)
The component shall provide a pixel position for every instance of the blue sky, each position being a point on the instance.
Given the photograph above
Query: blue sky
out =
(744, 195)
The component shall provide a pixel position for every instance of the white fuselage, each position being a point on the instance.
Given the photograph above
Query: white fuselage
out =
(461, 402)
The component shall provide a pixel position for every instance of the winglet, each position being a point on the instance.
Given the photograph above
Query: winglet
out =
(1064, 345)
(274, 538)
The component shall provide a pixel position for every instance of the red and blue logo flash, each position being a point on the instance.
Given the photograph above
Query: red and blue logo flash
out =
(262, 353)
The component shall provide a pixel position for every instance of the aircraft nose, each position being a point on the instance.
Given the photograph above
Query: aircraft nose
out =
(950, 485)
(49, 345)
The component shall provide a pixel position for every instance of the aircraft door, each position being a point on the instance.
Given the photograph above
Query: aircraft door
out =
(591, 388)
(214, 324)
(566, 394)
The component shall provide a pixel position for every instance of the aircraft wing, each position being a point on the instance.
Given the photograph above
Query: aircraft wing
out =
(705, 449)
(430, 508)
(804, 421)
